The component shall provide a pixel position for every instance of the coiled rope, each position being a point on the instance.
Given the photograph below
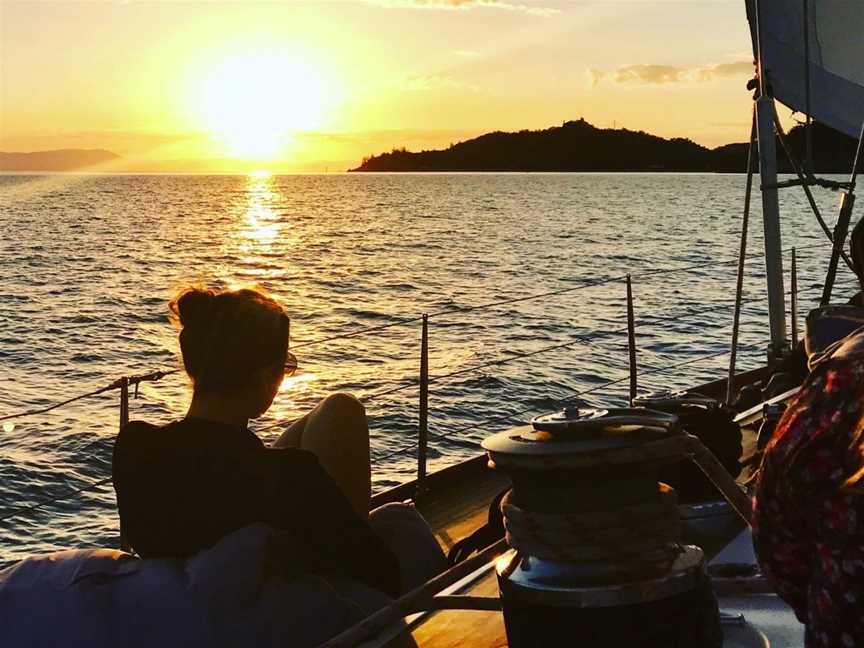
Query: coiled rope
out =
(604, 535)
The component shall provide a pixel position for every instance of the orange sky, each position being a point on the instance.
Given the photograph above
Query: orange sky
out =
(315, 85)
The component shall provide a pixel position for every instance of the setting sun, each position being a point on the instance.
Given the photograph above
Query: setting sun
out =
(253, 102)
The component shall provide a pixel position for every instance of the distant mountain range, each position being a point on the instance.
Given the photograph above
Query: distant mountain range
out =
(580, 146)
(59, 160)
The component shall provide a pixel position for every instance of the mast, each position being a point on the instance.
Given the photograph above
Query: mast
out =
(770, 205)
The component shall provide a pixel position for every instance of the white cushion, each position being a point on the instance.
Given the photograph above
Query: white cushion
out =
(221, 597)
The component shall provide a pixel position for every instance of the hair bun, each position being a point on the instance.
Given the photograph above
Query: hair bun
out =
(194, 307)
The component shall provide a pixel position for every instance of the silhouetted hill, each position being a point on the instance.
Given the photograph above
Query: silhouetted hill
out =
(579, 146)
(59, 160)
(833, 152)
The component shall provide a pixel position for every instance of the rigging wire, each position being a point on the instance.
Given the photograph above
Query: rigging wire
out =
(781, 136)
(649, 320)
(511, 415)
(43, 410)
(57, 498)
(742, 253)
(587, 284)
(657, 370)
(158, 375)
(152, 376)
(102, 482)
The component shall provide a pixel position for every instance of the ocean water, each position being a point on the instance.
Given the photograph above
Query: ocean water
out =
(88, 263)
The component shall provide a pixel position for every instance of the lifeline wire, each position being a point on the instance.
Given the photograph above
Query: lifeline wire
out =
(496, 419)
(159, 374)
(649, 320)
(509, 416)
(56, 498)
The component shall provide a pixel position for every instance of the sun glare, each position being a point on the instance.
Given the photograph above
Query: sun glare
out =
(254, 102)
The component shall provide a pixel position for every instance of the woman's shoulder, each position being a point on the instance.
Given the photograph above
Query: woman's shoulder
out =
(141, 437)
(137, 428)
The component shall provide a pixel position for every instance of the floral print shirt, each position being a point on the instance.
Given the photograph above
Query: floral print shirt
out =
(809, 507)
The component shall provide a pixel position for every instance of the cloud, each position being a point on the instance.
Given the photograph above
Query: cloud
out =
(530, 10)
(647, 74)
(653, 74)
(741, 69)
(639, 74)
(422, 82)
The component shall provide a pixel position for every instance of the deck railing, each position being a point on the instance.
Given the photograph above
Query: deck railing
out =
(423, 381)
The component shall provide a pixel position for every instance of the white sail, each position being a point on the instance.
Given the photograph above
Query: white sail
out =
(835, 41)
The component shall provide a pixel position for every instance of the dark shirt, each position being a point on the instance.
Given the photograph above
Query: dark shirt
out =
(183, 486)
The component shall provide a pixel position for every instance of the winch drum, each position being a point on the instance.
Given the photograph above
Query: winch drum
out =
(587, 567)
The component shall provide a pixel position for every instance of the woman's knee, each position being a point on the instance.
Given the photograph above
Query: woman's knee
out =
(344, 404)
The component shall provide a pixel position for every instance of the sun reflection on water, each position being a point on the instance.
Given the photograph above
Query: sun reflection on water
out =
(262, 223)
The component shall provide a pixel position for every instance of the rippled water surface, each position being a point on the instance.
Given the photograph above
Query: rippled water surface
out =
(87, 264)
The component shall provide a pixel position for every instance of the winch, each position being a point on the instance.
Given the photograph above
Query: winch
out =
(714, 425)
(595, 556)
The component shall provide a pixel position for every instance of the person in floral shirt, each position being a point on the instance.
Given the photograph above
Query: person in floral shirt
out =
(809, 506)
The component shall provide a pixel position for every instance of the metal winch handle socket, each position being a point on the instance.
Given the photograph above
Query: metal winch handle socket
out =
(714, 471)
(570, 421)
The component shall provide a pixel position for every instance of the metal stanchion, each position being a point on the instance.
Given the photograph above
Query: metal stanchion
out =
(423, 427)
(631, 340)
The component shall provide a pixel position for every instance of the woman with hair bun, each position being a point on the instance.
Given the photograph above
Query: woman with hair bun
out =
(183, 486)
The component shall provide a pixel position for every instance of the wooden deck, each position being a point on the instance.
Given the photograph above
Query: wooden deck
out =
(463, 508)
(455, 505)
(459, 628)
(455, 502)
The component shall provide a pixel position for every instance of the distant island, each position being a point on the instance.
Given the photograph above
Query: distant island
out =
(58, 160)
(573, 146)
(580, 146)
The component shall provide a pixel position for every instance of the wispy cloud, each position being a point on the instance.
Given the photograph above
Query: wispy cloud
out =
(454, 5)
(741, 69)
(653, 74)
(422, 82)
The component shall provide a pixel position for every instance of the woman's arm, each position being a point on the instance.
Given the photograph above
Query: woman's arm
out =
(781, 543)
(799, 480)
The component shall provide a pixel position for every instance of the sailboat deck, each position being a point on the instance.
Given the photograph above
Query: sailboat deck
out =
(475, 628)
(455, 504)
